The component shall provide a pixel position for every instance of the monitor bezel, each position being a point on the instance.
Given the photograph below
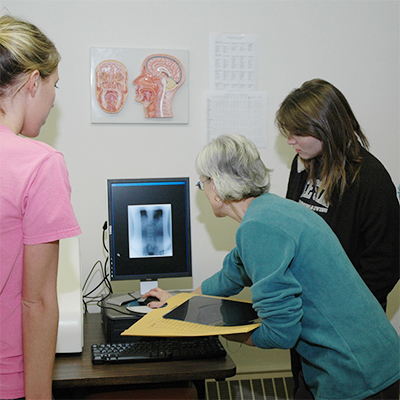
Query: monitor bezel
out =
(114, 276)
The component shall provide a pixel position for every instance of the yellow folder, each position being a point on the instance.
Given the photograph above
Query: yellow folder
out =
(153, 323)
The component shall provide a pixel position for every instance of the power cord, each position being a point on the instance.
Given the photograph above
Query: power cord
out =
(104, 283)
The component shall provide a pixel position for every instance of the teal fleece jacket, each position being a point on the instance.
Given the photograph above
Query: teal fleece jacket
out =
(310, 297)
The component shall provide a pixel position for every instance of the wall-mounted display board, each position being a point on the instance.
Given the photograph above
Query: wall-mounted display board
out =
(139, 86)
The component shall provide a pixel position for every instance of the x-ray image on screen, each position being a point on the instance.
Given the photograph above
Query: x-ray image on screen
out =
(149, 230)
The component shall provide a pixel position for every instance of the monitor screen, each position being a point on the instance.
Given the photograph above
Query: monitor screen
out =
(149, 228)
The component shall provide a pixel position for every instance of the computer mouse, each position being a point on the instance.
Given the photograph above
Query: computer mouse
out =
(144, 301)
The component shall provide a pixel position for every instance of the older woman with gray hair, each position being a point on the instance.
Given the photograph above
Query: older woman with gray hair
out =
(233, 165)
(303, 286)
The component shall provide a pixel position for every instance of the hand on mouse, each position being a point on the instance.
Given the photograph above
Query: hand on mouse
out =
(160, 294)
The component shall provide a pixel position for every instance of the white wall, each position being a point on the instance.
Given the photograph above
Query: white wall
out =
(352, 44)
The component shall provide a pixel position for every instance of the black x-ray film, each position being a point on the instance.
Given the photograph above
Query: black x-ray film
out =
(214, 311)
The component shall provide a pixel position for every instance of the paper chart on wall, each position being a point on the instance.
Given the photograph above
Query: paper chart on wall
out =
(233, 105)
(237, 113)
(233, 62)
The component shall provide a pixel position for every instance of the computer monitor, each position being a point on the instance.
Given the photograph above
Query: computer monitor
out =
(149, 229)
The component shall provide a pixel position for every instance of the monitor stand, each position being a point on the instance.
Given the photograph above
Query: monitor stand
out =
(146, 286)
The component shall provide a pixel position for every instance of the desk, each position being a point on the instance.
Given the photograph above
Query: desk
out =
(77, 370)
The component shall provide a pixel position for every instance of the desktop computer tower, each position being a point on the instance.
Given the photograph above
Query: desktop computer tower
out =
(116, 319)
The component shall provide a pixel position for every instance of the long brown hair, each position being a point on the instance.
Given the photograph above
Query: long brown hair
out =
(320, 110)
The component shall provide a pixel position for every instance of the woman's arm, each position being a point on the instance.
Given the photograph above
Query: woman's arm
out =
(39, 318)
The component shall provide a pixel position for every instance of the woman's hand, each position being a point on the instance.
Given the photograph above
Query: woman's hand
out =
(162, 295)
(241, 338)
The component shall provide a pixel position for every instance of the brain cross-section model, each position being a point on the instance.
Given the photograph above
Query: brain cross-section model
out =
(111, 85)
(160, 78)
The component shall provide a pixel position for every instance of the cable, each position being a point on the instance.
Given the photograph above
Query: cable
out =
(107, 282)
(104, 235)
(104, 283)
(90, 273)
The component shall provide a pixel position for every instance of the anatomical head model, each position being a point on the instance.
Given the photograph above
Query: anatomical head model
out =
(111, 85)
(160, 78)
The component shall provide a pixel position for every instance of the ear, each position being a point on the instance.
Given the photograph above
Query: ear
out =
(33, 83)
(213, 185)
(215, 191)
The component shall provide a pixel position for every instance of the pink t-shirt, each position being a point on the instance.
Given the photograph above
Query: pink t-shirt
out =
(35, 208)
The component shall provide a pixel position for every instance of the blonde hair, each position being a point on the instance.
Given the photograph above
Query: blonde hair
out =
(234, 163)
(23, 49)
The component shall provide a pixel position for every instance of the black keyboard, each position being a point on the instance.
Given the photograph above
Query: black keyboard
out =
(158, 349)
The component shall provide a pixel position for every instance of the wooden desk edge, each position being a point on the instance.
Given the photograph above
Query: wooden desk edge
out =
(77, 370)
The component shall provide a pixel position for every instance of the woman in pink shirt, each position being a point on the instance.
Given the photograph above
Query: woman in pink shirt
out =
(35, 212)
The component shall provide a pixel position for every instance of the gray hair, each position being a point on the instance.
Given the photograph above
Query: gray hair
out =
(234, 163)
